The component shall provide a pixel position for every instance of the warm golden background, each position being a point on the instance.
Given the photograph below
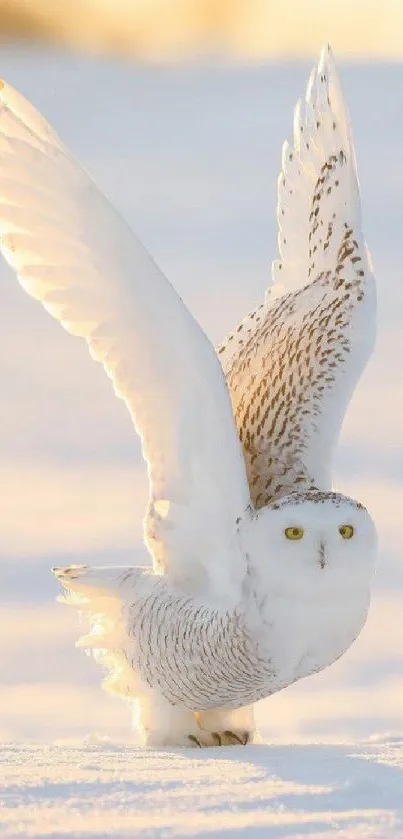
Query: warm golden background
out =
(246, 29)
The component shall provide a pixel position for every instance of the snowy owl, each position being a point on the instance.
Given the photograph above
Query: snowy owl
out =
(261, 573)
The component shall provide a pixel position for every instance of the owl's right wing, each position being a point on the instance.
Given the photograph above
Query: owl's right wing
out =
(293, 363)
(72, 251)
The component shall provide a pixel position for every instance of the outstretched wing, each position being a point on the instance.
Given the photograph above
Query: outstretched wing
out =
(293, 363)
(74, 253)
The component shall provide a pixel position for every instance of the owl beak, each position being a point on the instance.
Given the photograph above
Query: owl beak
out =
(322, 554)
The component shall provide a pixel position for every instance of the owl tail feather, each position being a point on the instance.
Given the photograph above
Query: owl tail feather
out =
(102, 593)
(103, 580)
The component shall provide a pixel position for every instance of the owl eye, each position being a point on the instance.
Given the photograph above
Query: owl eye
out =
(346, 531)
(294, 532)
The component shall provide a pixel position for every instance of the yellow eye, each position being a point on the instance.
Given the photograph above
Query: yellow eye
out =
(294, 532)
(346, 531)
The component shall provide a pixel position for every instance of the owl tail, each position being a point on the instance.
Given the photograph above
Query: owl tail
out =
(103, 594)
(100, 581)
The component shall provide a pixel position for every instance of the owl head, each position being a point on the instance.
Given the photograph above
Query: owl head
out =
(313, 539)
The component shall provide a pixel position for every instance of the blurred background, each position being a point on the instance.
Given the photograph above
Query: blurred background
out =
(241, 29)
(179, 108)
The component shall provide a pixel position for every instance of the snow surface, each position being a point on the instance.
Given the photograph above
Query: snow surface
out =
(260, 791)
(190, 156)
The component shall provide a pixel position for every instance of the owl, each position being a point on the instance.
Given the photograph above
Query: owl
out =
(261, 573)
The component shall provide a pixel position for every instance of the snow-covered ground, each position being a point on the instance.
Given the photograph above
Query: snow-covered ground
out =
(191, 156)
(269, 791)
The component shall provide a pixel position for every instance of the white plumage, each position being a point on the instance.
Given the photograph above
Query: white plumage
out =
(261, 574)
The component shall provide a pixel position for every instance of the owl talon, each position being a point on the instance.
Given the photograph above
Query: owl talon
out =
(214, 739)
(235, 737)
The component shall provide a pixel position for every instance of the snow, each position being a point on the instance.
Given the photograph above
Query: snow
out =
(260, 791)
(190, 155)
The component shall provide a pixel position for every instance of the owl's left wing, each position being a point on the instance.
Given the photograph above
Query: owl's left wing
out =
(73, 252)
(292, 364)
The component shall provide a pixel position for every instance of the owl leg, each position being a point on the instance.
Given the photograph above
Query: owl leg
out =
(231, 726)
(161, 724)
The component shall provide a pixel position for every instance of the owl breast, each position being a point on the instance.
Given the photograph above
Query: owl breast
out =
(304, 636)
(204, 659)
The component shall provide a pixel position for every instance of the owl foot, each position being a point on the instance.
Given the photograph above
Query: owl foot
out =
(228, 727)
(207, 739)
(161, 725)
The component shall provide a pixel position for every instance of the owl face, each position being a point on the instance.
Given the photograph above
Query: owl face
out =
(314, 539)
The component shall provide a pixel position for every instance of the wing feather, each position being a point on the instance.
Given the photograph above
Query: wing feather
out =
(293, 363)
(74, 253)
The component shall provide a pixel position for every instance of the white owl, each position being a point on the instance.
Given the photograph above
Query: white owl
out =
(261, 574)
